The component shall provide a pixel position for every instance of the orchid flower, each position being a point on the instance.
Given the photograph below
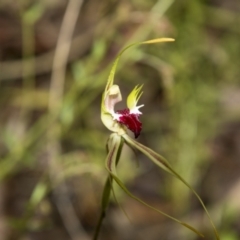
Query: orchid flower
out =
(128, 117)
(118, 121)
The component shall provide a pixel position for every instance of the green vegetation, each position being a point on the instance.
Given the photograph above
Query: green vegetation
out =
(52, 141)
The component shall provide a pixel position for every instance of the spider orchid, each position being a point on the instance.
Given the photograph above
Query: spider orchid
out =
(128, 117)
(118, 122)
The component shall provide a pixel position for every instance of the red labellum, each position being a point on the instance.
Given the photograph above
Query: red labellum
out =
(130, 120)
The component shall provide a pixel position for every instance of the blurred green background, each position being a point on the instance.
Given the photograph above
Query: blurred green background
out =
(52, 141)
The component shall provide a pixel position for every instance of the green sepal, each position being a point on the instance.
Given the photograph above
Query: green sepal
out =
(106, 116)
(134, 96)
(165, 165)
(111, 162)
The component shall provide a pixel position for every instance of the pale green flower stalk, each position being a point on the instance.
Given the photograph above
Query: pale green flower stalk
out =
(118, 122)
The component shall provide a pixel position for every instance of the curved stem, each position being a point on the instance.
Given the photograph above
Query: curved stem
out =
(106, 195)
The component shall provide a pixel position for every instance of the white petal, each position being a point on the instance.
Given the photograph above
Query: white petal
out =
(135, 110)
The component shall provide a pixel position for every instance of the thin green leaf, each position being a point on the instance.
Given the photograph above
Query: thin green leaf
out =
(114, 147)
(113, 144)
(113, 173)
(106, 194)
(120, 206)
(164, 164)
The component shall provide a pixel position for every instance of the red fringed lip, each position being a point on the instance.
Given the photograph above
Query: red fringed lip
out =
(130, 120)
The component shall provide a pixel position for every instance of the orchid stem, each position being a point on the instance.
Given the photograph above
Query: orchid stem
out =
(106, 195)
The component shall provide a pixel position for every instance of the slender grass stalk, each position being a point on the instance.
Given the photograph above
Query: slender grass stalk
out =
(28, 49)
(106, 195)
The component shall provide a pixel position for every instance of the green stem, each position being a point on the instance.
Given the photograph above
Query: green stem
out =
(106, 195)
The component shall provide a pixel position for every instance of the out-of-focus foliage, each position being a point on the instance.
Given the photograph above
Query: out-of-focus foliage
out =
(191, 116)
